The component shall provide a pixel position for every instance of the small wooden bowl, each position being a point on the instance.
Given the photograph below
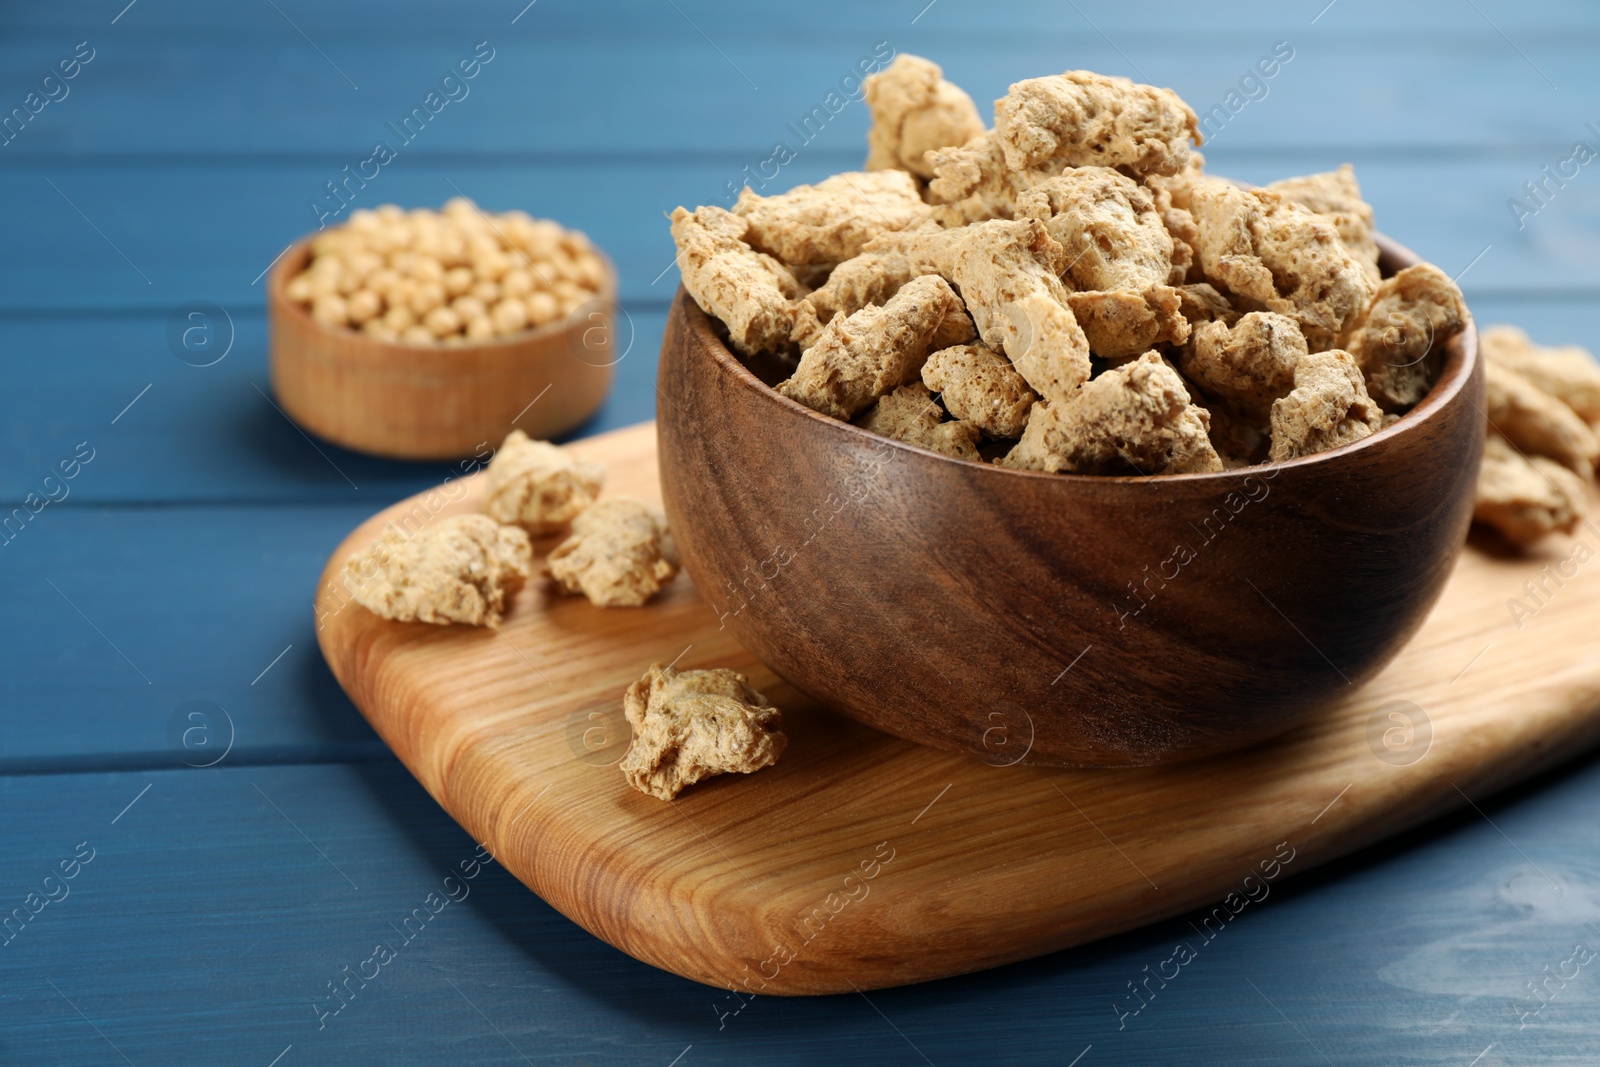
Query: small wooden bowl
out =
(1058, 619)
(410, 401)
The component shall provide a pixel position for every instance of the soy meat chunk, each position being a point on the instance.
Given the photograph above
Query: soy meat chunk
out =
(1134, 419)
(464, 568)
(829, 222)
(752, 294)
(1241, 442)
(1083, 119)
(1413, 315)
(620, 554)
(1570, 373)
(955, 216)
(980, 386)
(914, 110)
(1119, 259)
(1109, 226)
(860, 357)
(691, 725)
(1201, 302)
(1176, 190)
(869, 278)
(1185, 234)
(1336, 196)
(1527, 498)
(1328, 407)
(539, 486)
(973, 170)
(956, 329)
(912, 415)
(1008, 273)
(1280, 256)
(1126, 323)
(1173, 199)
(1538, 423)
(974, 183)
(1250, 365)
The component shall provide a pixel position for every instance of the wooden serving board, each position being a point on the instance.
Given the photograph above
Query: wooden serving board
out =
(863, 861)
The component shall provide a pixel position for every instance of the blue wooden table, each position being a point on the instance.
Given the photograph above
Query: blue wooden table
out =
(199, 835)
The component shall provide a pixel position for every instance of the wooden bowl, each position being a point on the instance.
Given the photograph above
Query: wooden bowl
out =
(1058, 619)
(409, 401)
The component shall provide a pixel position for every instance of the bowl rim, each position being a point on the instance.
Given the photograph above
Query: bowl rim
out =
(1454, 377)
(298, 254)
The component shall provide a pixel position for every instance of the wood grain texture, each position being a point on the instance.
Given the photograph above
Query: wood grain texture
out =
(1115, 621)
(435, 401)
(987, 863)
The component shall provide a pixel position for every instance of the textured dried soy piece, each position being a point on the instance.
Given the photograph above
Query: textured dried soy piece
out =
(1133, 419)
(1177, 190)
(1569, 373)
(1280, 257)
(1181, 227)
(1527, 498)
(1413, 315)
(1083, 119)
(975, 184)
(914, 110)
(1328, 407)
(464, 568)
(620, 554)
(1201, 302)
(830, 221)
(1108, 224)
(870, 278)
(956, 329)
(1336, 195)
(1009, 277)
(691, 725)
(1250, 365)
(1173, 199)
(1119, 259)
(980, 386)
(751, 293)
(1241, 442)
(537, 485)
(1126, 323)
(912, 415)
(860, 357)
(1538, 423)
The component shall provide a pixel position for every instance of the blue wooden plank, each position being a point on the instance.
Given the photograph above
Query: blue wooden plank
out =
(209, 433)
(1550, 322)
(627, 20)
(138, 616)
(155, 236)
(218, 906)
(549, 96)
